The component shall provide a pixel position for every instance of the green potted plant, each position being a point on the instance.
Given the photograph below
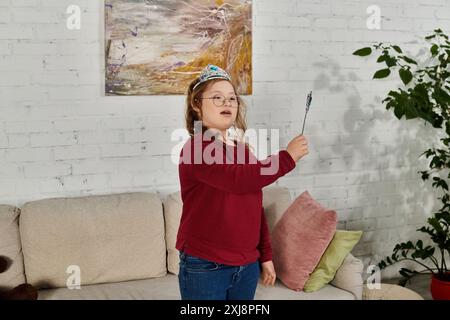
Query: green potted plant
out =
(425, 95)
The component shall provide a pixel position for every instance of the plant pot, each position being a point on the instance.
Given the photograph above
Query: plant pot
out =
(440, 289)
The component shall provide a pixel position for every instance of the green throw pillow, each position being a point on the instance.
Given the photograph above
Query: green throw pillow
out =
(333, 257)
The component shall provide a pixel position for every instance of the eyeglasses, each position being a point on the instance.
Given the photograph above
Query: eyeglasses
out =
(219, 100)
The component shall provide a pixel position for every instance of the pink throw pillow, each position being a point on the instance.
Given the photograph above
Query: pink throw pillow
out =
(300, 238)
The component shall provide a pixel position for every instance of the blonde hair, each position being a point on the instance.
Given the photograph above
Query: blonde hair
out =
(193, 99)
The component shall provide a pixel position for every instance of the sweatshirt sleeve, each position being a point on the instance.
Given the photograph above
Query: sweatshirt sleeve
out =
(264, 246)
(245, 177)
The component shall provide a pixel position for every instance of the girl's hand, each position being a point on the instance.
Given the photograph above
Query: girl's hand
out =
(268, 275)
(298, 147)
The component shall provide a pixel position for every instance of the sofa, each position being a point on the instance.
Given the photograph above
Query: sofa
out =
(122, 246)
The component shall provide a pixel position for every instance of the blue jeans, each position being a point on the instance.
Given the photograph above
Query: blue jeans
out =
(201, 279)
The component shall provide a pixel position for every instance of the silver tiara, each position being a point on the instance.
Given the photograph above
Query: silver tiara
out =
(212, 72)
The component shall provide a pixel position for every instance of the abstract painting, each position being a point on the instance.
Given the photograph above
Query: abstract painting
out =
(155, 47)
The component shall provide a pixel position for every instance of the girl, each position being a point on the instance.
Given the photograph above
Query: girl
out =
(223, 238)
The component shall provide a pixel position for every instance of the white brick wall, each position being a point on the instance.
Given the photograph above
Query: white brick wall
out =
(60, 136)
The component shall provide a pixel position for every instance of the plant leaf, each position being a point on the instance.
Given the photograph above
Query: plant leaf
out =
(434, 49)
(397, 48)
(408, 60)
(391, 61)
(381, 58)
(383, 73)
(410, 109)
(405, 75)
(363, 52)
(399, 111)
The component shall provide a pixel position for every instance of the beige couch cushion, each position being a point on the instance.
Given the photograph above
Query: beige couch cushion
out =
(10, 247)
(279, 291)
(349, 276)
(275, 201)
(173, 206)
(115, 237)
(162, 288)
(167, 288)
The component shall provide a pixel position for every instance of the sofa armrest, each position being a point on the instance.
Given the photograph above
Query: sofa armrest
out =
(349, 276)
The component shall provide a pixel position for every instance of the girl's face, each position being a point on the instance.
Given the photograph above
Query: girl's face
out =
(213, 115)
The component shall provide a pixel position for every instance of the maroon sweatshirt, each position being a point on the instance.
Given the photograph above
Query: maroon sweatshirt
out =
(223, 218)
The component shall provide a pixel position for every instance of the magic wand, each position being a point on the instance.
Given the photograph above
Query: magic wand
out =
(308, 103)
